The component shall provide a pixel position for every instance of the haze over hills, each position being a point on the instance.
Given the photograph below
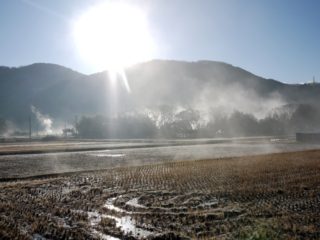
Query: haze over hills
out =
(206, 86)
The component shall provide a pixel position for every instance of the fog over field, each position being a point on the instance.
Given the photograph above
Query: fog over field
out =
(20, 161)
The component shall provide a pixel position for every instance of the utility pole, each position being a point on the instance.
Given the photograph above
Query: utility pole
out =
(30, 133)
(75, 124)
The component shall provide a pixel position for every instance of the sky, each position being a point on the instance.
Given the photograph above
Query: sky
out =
(276, 39)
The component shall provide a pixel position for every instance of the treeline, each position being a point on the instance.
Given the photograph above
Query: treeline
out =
(122, 127)
(190, 124)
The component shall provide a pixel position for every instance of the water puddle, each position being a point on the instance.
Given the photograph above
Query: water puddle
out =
(109, 205)
(126, 223)
(38, 237)
(111, 155)
(95, 219)
(134, 203)
(209, 204)
(104, 236)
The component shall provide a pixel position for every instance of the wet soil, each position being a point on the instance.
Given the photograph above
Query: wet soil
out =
(275, 196)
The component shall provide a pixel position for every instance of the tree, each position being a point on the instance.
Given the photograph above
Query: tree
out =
(135, 126)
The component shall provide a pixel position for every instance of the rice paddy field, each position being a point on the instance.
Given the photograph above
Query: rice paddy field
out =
(27, 159)
(270, 196)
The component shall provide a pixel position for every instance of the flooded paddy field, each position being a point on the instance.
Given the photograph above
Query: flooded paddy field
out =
(274, 196)
(123, 153)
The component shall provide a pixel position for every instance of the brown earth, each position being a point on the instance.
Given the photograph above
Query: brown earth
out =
(275, 196)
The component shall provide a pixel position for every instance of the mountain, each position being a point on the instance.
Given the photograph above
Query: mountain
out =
(63, 93)
(55, 90)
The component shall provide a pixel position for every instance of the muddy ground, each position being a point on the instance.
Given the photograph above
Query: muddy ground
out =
(275, 196)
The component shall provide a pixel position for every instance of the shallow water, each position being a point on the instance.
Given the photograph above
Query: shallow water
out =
(116, 155)
(110, 205)
(26, 165)
(125, 222)
(95, 218)
(134, 203)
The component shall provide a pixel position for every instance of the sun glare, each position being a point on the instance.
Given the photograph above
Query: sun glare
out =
(113, 36)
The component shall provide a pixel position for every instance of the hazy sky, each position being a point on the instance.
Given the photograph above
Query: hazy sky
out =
(277, 39)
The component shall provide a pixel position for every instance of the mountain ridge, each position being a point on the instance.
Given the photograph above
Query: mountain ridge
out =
(35, 64)
(63, 93)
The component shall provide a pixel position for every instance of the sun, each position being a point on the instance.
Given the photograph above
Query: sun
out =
(113, 36)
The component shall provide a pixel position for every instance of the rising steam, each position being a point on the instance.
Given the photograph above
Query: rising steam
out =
(44, 120)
